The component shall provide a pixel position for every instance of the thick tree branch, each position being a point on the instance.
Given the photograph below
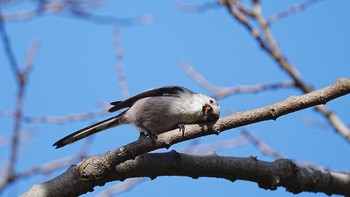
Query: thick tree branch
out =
(96, 171)
(268, 175)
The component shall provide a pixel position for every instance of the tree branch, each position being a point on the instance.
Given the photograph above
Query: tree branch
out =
(269, 45)
(97, 170)
(222, 92)
(268, 175)
(291, 11)
(22, 76)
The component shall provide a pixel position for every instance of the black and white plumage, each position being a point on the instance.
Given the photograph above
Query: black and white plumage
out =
(155, 111)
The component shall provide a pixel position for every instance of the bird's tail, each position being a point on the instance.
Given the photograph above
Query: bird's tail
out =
(82, 133)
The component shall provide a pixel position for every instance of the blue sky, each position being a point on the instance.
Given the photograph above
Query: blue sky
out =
(74, 72)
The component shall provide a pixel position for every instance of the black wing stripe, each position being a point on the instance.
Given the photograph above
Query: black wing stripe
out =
(167, 90)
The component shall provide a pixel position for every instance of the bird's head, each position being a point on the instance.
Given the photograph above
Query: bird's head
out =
(210, 108)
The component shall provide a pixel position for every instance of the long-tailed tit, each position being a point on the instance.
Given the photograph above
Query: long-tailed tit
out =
(155, 111)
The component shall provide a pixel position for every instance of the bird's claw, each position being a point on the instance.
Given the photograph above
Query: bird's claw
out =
(149, 134)
(182, 129)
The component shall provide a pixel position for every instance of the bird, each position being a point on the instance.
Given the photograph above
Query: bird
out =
(153, 112)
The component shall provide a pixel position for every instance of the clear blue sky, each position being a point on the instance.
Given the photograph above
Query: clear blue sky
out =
(75, 70)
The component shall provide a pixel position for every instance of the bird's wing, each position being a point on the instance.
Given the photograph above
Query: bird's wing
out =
(163, 91)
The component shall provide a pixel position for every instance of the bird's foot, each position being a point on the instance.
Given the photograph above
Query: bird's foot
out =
(182, 129)
(149, 133)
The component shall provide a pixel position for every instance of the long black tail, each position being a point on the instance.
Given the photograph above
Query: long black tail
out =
(82, 133)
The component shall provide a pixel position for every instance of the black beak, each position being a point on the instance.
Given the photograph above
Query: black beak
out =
(206, 108)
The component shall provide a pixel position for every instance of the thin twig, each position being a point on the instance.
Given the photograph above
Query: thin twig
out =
(194, 7)
(22, 77)
(24, 136)
(77, 9)
(120, 64)
(51, 166)
(200, 79)
(269, 44)
(220, 92)
(8, 48)
(57, 119)
(262, 146)
(216, 146)
(291, 11)
(121, 187)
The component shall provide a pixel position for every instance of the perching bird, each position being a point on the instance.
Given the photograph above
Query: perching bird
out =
(155, 111)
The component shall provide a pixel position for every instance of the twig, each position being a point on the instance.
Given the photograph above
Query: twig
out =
(48, 168)
(8, 48)
(275, 51)
(120, 65)
(51, 166)
(220, 92)
(111, 20)
(291, 10)
(196, 8)
(313, 123)
(57, 119)
(26, 14)
(22, 78)
(121, 187)
(23, 137)
(270, 46)
(262, 146)
(77, 9)
(216, 146)
(198, 77)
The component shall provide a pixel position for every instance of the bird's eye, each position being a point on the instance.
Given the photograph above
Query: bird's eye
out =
(211, 101)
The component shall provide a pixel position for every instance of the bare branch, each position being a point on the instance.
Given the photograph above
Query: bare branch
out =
(216, 146)
(49, 167)
(268, 175)
(275, 51)
(291, 10)
(22, 84)
(119, 65)
(200, 79)
(56, 164)
(269, 44)
(263, 147)
(57, 119)
(111, 20)
(77, 9)
(26, 14)
(24, 136)
(196, 8)
(313, 123)
(220, 92)
(121, 187)
(8, 48)
(97, 170)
